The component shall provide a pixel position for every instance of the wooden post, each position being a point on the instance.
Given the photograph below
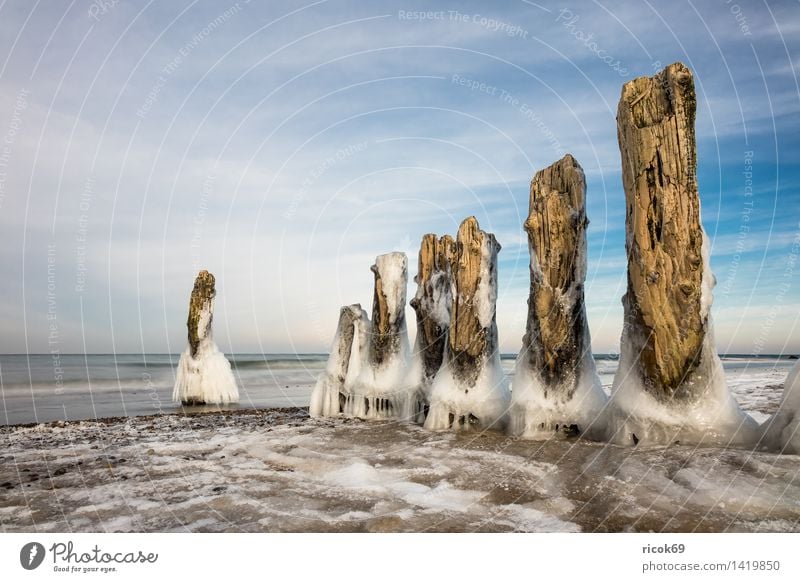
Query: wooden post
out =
(329, 394)
(555, 336)
(200, 310)
(204, 375)
(470, 391)
(664, 237)
(432, 301)
(556, 388)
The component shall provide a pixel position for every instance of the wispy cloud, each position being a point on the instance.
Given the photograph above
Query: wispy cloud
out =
(284, 146)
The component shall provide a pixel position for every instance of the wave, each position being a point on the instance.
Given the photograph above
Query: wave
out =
(299, 362)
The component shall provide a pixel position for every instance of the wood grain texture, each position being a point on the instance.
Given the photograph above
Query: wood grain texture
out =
(556, 227)
(200, 301)
(664, 318)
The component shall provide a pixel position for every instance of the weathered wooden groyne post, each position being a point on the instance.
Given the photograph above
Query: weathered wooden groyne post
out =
(556, 387)
(367, 375)
(432, 305)
(204, 375)
(670, 384)
(469, 391)
(329, 395)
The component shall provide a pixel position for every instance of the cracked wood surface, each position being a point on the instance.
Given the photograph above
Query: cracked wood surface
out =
(387, 326)
(432, 298)
(201, 301)
(664, 318)
(556, 227)
(469, 341)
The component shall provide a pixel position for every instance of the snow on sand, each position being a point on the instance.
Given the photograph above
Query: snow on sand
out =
(278, 470)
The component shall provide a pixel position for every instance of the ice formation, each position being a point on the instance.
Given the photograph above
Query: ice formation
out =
(204, 375)
(782, 430)
(669, 385)
(372, 380)
(555, 386)
(344, 362)
(469, 390)
(432, 304)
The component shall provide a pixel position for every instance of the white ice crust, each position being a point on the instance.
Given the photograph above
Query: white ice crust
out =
(534, 415)
(207, 377)
(325, 396)
(371, 390)
(485, 403)
(712, 418)
(782, 430)
(437, 307)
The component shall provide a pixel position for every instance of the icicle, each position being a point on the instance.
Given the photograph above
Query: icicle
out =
(328, 397)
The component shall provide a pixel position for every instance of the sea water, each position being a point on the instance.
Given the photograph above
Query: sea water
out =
(41, 388)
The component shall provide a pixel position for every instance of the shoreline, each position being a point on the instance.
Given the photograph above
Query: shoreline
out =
(111, 420)
(768, 406)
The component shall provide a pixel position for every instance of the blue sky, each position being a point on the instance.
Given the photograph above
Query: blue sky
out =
(283, 146)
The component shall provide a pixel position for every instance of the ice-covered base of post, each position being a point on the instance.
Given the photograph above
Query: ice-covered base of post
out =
(206, 378)
(381, 392)
(539, 413)
(326, 397)
(422, 393)
(711, 417)
(481, 406)
(398, 406)
(782, 430)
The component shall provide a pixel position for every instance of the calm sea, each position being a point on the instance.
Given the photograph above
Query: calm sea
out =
(41, 388)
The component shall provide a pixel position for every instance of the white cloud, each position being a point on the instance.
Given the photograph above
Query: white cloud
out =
(290, 234)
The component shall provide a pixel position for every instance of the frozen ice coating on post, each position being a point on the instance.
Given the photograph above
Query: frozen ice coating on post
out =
(367, 374)
(382, 388)
(389, 336)
(556, 387)
(432, 306)
(469, 390)
(204, 374)
(329, 394)
(669, 385)
(782, 430)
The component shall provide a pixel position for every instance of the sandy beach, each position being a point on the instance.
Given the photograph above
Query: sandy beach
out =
(278, 470)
